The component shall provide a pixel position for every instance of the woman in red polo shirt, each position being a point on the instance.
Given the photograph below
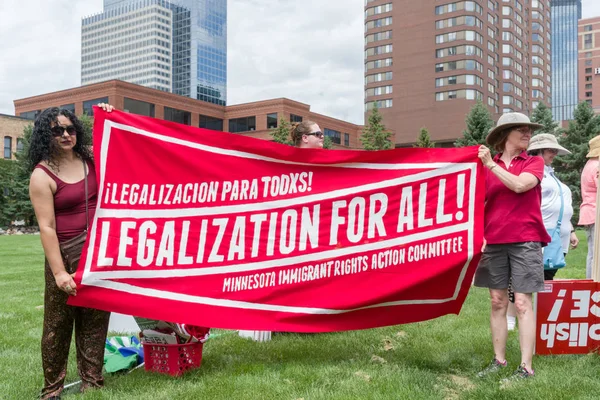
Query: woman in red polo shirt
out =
(514, 234)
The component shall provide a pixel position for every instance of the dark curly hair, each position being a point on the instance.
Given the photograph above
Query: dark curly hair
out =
(43, 147)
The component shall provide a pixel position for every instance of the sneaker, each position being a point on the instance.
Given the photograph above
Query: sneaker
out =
(511, 322)
(494, 367)
(520, 373)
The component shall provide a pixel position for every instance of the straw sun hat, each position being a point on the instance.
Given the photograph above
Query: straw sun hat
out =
(594, 147)
(547, 141)
(509, 120)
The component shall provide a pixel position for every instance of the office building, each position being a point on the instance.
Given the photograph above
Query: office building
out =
(254, 119)
(12, 129)
(427, 62)
(565, 17)
(589, 62)
(178, 47)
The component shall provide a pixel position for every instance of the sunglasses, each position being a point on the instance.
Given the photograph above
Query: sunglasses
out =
(58, 130)
(318, 134)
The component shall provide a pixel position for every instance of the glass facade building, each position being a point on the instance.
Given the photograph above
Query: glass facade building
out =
(178, 46)
(565, 16)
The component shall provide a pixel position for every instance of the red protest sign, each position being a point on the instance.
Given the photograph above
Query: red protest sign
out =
(220, 230)
(568, 317)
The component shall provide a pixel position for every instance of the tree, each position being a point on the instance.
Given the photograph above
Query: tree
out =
(543, 115)
(424, 140)
(479, 122)
(327, 143)
(584, 126)
(376, 136)
(14, 184)
(88, 126)
(281, 134)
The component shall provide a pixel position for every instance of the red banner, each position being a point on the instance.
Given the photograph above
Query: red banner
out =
(568, 318)
(222, 230)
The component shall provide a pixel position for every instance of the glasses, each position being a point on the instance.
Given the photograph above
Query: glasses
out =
(524, 130)
(553, 151)
(58, 130)
(317, 134)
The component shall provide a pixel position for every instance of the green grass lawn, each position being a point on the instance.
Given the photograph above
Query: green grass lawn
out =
(430, 360)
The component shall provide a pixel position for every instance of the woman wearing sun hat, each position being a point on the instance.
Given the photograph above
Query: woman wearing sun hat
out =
(514, 234)
(587, 211)
(546, 146)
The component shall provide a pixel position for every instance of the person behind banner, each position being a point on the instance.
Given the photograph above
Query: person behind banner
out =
(546, 146)
(61, 166)
(587, 211)
(307, 135)
(514, 234)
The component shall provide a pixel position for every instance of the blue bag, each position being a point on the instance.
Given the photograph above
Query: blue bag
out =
(554, 258)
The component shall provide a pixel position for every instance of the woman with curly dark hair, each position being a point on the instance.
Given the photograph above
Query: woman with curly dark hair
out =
(63, 174)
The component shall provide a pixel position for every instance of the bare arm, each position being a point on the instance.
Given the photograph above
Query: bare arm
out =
(42, 200)
(517, 183)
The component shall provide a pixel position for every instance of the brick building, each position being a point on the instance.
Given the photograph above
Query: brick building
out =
(11, 131)
(589, 62)
(427, 62)
(250, 119)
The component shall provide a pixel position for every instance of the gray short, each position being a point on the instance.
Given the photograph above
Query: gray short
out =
(523, 262)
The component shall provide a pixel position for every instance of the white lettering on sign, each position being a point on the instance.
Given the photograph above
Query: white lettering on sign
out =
(585, 302)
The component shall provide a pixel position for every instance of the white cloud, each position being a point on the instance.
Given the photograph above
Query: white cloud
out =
(590, 8)
(40, 46)
(310, 51)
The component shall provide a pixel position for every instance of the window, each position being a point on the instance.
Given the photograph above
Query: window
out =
(382, 76)
(373, 51)
(386, 62)
(587, 94)
(588, 78)
(243, 124)
(378, 9)
(335, 136)
(587, 28)
(378, 36)
(387, 103)
(587, 41)
(378, 91)
(180, 116)
(7, 147)
(295, 118)
(346, 139)
(272, 121)
(70, 107)
(137, 107)
(206, 122)
(20, 142)
(588, 70)
(587, 86)
(32, 115)
(378, 23)
(88, 104)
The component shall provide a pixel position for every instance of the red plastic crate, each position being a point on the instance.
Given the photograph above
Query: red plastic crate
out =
(172, 359)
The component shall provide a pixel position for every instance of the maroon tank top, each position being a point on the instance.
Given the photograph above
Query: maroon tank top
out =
(69, 203)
